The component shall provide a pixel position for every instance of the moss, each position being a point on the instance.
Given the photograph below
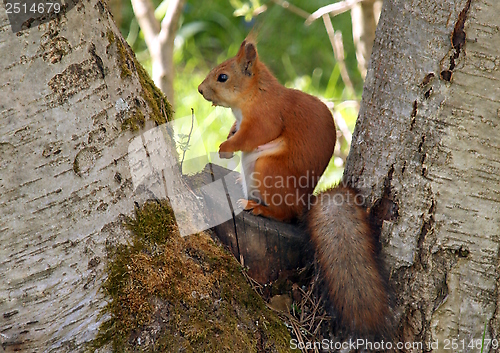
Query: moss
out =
(124, 56)
(160, 109)
(170, 293)
(111, 36)
(135, 122)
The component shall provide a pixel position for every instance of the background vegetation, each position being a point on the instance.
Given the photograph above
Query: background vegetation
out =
(211, 31)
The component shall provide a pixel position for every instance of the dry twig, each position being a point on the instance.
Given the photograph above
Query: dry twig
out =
(292, 8)
(338, 51)
(332, 9)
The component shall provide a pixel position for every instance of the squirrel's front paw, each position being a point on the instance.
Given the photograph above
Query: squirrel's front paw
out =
(226, 155)
(223, 151)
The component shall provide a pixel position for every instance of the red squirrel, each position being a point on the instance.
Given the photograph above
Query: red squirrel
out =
(287, 138)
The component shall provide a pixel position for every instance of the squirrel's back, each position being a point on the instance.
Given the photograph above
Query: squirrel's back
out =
(342, 235)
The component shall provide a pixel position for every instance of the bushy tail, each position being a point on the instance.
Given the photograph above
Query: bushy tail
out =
(343, 238)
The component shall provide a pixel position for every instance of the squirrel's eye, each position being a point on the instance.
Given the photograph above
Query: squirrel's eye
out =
(222, 78)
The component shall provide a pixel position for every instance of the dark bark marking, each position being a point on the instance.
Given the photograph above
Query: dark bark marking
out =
(462, 252)
(420, 146)
(427, 227)
(427, 79)
(446, 75)
(118, 178)
(385, 208)
(97, 59)
(423, 155)
(75, 78)
(458, 37)
(427, 94)
(413, 114)
(442, 292)
(10, 314)
(387, 181)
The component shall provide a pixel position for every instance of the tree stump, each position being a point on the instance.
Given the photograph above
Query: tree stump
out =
(269, 249)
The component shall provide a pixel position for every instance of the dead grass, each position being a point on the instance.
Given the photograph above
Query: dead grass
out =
(306, 318)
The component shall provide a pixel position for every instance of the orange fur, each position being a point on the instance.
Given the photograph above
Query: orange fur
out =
(346, 252)
(270, 111)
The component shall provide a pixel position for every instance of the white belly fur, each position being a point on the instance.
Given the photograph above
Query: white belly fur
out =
(248, 165)
(248, 159)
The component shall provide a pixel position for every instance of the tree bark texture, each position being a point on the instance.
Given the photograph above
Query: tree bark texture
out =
(69, 97)
(426, 155)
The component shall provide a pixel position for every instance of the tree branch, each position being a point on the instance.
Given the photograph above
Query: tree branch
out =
(145, 14)
(160, 40)
(364, 22)
(170, 21)
(333, 10)
(292, 8)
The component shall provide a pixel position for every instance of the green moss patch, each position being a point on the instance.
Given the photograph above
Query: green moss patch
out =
(124, 56)
(160, 108)
(134, 122)
(168, 293)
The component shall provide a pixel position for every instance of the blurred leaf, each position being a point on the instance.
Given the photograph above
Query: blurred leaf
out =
(133, 32)
(161, 10)
(331, 90)
(191, 29)
(247, 10)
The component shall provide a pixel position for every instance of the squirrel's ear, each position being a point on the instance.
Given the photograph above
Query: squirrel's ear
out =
(248, 57)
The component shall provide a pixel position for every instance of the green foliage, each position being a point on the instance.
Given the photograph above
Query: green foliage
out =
(484, 335)
(211, 31)
(245, 9)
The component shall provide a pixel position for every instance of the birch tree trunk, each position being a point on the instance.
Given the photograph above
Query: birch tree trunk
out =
(70, 94)
(426, 154)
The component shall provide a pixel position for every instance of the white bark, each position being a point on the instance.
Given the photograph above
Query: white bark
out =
(65, 90)
(426, 153)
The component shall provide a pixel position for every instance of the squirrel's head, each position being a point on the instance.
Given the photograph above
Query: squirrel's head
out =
(227, 83)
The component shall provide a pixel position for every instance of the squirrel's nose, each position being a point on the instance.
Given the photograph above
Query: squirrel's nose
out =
(200, 90)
